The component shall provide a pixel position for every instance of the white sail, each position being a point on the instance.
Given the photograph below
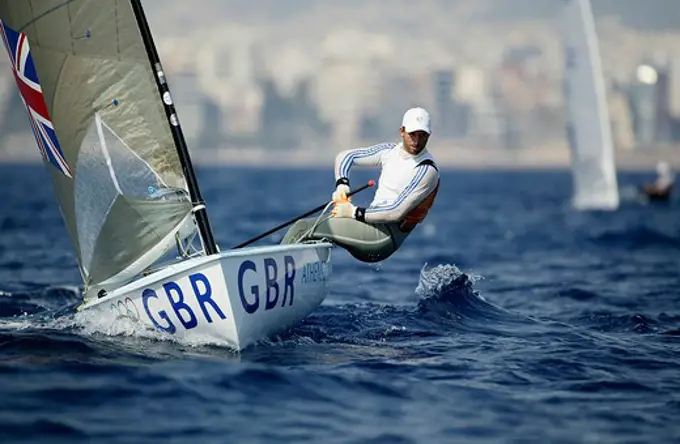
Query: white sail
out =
(84, 74)
(588, 127)
(104, 120)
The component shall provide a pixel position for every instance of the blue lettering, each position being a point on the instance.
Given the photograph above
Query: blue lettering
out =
(204, 297)
(289, 279)
(270, 273)
(273, 290)
(179, 305)
(254, 290)
(315, 272)
(170, 327)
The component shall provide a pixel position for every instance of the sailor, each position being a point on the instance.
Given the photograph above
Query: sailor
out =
(661, 188)
(407, 187)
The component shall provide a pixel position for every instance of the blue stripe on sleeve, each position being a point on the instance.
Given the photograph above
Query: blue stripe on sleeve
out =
(346, 163)
(402, 196)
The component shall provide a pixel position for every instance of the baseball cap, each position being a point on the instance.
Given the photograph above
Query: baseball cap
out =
(416, 119)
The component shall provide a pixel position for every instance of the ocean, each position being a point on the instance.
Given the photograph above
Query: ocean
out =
(507, 317)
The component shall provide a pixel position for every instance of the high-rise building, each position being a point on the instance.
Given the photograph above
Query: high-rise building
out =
(443, 86)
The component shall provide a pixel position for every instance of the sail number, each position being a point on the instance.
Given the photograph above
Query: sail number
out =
(202, 292)
(262, 285)
(253, 298)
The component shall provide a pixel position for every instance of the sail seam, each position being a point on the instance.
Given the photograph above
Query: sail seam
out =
(115, 14)
(70, 27)
(30, 6)
(44, 14)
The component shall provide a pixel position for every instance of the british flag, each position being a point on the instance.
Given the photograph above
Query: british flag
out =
(31, 93)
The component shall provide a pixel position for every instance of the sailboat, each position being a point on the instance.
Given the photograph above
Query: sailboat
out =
(104, 120)
(588, 131)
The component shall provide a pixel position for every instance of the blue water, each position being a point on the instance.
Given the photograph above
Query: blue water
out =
(506, 317)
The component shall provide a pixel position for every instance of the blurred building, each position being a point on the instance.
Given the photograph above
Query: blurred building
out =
(335, 76)
(353, 65)
(649, 113)
(230, 71)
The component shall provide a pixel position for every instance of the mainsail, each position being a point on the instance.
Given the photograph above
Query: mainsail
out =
(588, 130)
(84, 73)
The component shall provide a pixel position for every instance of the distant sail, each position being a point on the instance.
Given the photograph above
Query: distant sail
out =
(101, 128)
(588, 127)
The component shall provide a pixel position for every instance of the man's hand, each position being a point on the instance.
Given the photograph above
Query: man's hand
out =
(343, 209)
(341, 194)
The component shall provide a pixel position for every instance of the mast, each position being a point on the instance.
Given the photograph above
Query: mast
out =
(200, 211)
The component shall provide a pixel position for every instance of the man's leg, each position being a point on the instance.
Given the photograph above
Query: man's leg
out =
(366, 242)
(300, 231)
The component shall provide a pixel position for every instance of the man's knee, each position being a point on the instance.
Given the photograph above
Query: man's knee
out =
(297, 232)
(371, 255)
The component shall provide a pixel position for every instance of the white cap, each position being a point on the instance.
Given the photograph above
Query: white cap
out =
(416, 119)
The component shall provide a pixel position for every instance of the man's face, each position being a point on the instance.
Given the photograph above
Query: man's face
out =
(414, 142)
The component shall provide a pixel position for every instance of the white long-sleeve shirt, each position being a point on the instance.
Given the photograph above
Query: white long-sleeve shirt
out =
(402, 185)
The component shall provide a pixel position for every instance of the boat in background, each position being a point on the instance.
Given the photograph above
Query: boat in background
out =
(588, 127)
(661, 189)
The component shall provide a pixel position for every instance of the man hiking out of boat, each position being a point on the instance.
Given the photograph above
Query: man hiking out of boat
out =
(661, 188)
(407, 187)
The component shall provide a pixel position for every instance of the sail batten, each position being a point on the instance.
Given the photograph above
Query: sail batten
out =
(104, 136)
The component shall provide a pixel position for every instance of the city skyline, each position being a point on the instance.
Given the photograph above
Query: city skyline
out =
(354, 80)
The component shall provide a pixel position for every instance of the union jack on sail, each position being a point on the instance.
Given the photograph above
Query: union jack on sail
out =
(31, 93)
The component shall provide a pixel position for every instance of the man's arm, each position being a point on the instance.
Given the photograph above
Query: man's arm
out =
(361, 156)
(424, 182)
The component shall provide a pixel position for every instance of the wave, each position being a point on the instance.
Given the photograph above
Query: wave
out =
(50, 301)
(449, 298)
(448, 304)
(577, 294)
(37, 345)
(605, 321)
(637, 237)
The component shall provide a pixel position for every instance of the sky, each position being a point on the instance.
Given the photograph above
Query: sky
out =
(643, 14)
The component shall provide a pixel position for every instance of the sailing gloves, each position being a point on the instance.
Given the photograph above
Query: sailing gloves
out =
(341, 200)
(341, 193)
(342, 206)
(344, 209)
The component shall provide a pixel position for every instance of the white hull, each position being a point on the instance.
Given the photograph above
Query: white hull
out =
(588, 127)
(236, 298)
